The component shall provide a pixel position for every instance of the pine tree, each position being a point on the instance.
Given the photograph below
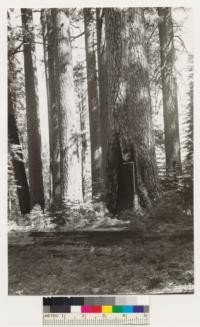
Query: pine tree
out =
(129, 106)
(187, 191)
(103, 86)
(169, 89)
(17, 180)
(32, 110)
(94, 112)
(17, 158)
(69, 117)
(53, 115)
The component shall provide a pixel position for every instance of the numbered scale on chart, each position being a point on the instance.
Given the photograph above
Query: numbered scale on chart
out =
(65, 319)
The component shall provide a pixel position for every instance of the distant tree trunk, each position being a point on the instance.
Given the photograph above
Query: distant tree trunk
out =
(43, 20)
(32, 109)
(94, 110)
(169, 88)
(14, 210)
(53, 114)
(85, 133)
(129, 106)
(102, 78)
(69, 117)
(17, 160)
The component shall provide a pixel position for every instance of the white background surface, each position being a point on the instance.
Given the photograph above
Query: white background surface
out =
(166, 310)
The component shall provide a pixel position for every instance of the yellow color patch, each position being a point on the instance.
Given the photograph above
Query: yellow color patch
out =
(106, 308)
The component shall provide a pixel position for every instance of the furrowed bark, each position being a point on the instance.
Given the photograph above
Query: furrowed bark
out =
(69, 117)
(130, 136)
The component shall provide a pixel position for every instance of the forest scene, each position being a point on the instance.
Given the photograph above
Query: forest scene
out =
(100, 151)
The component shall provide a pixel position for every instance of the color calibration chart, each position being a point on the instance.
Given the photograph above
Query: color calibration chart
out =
(93, 310)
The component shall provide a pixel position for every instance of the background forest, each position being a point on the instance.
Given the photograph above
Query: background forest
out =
(100, 128)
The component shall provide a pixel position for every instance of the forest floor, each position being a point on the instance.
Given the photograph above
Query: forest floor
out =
(154, 255)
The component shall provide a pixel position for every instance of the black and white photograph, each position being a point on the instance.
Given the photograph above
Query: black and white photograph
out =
(100, 151)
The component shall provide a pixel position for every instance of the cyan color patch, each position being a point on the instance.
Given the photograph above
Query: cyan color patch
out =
(127, 308)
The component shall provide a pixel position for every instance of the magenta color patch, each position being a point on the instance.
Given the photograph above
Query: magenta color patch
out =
(86, 308)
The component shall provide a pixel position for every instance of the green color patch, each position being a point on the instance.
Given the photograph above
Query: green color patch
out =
(117, 308)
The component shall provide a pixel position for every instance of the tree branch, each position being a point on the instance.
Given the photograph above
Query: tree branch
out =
(77, 36)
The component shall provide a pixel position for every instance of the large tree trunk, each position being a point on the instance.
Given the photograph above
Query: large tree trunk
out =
(129, 107)
(94, 110)
(169, 87)
(69, 117)
(17, 160)
(102, 78)
(32, 109)
(53, 114)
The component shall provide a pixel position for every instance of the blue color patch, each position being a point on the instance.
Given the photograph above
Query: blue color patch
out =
(138, 308)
